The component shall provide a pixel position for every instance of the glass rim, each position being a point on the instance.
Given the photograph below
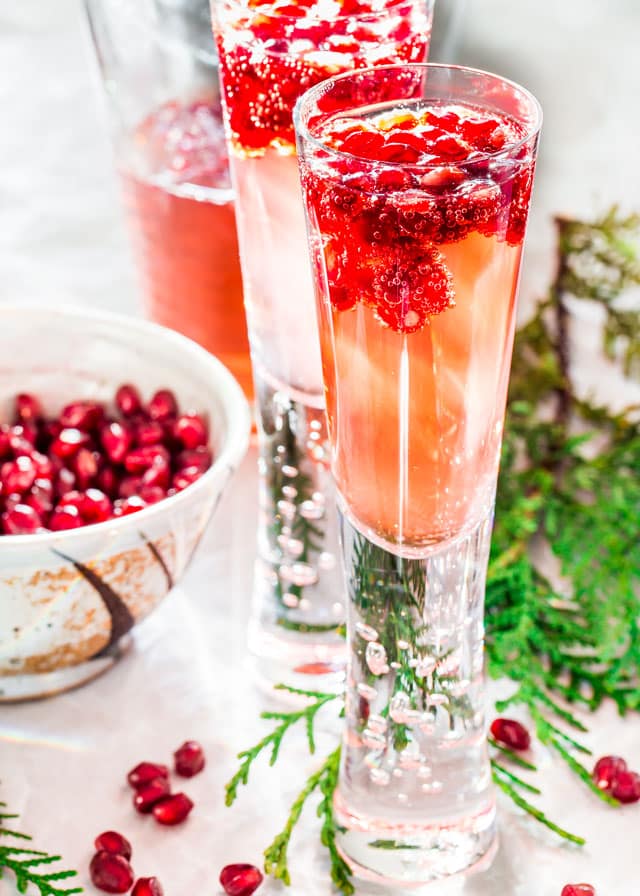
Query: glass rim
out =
(310, 95)
(267, 8)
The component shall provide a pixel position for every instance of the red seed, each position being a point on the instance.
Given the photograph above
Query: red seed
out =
(128, 400)
(5, 437)
(240, 879)
(68, 443)
(151, 494)
(189, 759)
(147, 886)
(191, 430)
(86, 464)
(626, 787)
(43, 465)
(111, 873)
(22, 434)
(129, 486)
(84, 415)
(163, 405)
(73, 498)
(18, 475)
(149, 794)
(148, 432)
(198, 457)
(578, 890)
(172, 809)
(186, 477)
(140, 459)
(145, 772)
(21, 520)
(127, 506)
(96, 506)
(65, 518)
(511, 733)
(114, 843)
(65, 482)
(28, 408)
(108, 481)
(41, 497)
(606, 769)
(116, 441)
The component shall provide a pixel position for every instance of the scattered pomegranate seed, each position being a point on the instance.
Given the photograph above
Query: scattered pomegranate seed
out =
(172, 809)
(626, 787)
(163, 405)
(145, 772)
(28, 408)
(111, 873)
(147, 886)
(578, 890)
(606, 769)
(241, 879)
(511, 733)
(149, 794)
(189, 759)
(115, 843)
(128, 400)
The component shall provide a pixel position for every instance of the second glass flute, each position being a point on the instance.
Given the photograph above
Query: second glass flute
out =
(270, 53)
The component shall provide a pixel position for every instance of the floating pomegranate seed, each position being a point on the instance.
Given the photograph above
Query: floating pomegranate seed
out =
(150, 793)
(115, 843)
(140, 459)
(68, 443)
(191, 430)
(148, 432)
(163, 405)
(86, 464)
(511, 733)
(578, 890)
(65, 518)
(84, 415)
(18, 475)
(96, 506)
(111, 873)
(127, 506)
(606, 769)
(27, 409)
(240, 879)
(172, 809)
(189, 759)
(145, 772)
(626, 787)
(128, 400)
(147, 886)
(116, 441)
(21, 520)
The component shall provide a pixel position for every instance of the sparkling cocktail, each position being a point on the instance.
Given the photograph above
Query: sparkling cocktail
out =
(417, 182)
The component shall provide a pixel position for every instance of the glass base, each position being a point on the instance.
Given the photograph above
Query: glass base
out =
(412, 855)
(297, 625)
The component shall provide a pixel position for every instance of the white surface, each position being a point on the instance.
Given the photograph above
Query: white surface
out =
(62, 762)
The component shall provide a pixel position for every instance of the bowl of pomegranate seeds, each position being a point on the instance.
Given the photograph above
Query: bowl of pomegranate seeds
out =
(117, 439)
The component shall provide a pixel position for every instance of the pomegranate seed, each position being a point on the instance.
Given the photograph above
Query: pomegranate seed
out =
(28, 408)
(65, 518)
(240, 879)
(65, 482)
(128, 400)
(129, 486)
(148, 432)
(96, 506)
(140, 459)
(108, 481)
(606, 769)
(18, 475)
(198, 457)
(149, 794)
(73, 498)
(147, 886)
(41, 497)
(172, 809)
(44, 467)
(578, 890)
(116, 441)
(626, 787)
(5, 446)
(115, 843)
(145, 772)
(84, 415)
(86, 465)
(21, 520)
(151, 494)
(158, 474)
(127, 506)
(189, 759)
(22, 434)
(186, 477)
(191, 430)
(68, 443)
(111, 873)
(163, 405)
(511, 733)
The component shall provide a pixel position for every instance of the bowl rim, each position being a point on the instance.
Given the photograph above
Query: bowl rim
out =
(234, 404)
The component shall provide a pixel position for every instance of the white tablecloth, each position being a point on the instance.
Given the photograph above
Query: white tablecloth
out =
(63, 762)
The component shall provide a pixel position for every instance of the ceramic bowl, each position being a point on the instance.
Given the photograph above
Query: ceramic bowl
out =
(69, 600)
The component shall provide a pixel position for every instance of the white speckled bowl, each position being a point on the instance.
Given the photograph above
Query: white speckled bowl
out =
(68, 600)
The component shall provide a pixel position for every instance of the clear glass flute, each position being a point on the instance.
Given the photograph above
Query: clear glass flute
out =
(159, 67)
(417, 181)
(270, 52)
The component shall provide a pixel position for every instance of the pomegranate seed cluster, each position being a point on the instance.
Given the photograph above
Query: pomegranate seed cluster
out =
(88, 465)
(612, 775)
(270, 53)
(408, 184)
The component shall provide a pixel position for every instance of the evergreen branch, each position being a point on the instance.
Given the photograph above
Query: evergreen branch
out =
(501, 770)
(531, 810)
(517, 760)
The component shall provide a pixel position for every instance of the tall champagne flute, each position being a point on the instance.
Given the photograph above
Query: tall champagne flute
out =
(417, 181)
(270, 52)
